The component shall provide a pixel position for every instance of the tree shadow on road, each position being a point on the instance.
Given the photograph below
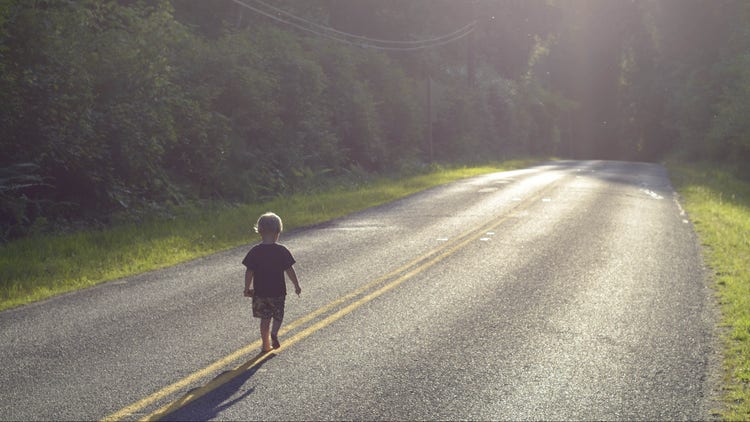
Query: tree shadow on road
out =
(211, 403)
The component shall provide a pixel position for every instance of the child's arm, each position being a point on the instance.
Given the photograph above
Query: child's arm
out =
(249, 283)
(293, 276)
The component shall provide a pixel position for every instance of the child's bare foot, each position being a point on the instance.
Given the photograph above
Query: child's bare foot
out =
(275, 341)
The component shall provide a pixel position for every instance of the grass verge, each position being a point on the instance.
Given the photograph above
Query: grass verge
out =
(719, 206)
(42, 266)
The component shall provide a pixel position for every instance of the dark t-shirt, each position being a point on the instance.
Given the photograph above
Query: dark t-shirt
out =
(268, 263)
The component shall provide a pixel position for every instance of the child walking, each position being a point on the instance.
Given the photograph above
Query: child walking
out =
(266, 263)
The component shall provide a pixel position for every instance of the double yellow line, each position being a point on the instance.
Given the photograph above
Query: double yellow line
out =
(386, 283)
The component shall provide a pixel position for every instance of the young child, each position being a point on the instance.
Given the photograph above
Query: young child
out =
(266, 264)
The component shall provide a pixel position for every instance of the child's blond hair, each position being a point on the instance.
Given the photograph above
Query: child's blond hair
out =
(269, 223)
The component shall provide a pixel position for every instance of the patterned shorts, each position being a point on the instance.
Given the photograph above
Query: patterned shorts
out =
(269, 307)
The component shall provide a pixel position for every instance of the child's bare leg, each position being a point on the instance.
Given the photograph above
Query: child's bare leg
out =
(265, 333)
(275, 333)
(276, 326)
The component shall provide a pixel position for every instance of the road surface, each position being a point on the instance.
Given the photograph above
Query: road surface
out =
(569, 290)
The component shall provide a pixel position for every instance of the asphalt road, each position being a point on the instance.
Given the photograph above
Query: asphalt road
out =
(571, 290)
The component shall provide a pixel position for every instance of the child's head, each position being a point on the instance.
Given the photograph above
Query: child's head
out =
(269, 224)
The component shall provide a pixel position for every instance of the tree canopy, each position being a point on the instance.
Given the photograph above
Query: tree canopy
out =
(106, 105)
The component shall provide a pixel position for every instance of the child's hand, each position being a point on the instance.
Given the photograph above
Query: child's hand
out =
(298, 290)
(249, 292)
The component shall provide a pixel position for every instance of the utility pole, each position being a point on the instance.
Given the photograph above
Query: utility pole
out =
(239, 16)
(471, 54)
(429, 117)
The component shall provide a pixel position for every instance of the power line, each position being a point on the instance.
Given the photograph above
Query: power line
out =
(466, 30)
(372, 40)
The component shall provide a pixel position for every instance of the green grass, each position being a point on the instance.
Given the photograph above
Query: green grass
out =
(719, 206)
(42, 266)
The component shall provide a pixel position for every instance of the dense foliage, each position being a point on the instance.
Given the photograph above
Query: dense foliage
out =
(113, 105)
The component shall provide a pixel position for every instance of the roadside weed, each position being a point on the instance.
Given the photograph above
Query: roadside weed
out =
(719, 206)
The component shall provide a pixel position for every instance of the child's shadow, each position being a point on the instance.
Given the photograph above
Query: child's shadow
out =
(214, 402)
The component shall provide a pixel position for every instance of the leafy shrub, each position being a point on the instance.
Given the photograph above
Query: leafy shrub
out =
(18, 204)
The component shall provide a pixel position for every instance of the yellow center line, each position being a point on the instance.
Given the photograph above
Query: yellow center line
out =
(225, 378)
(250, 348)
(417, 265)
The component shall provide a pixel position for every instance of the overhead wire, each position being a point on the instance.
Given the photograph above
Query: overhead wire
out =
(444, 39)
(360, 37)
